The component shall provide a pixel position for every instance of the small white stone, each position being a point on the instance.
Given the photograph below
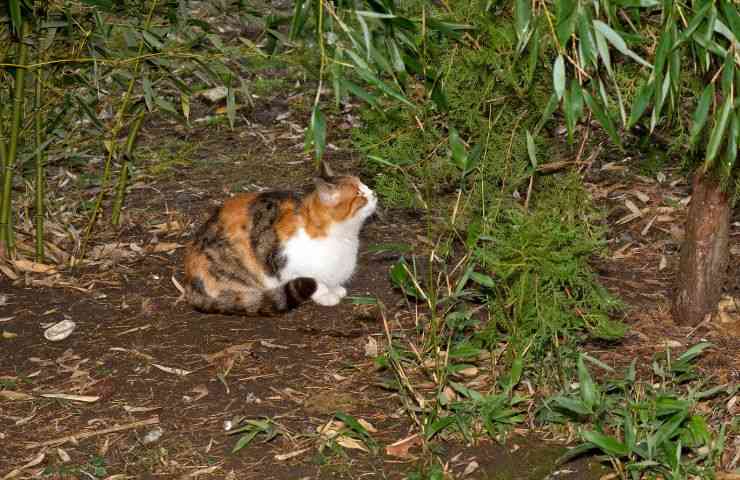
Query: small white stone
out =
(152, 436)
(59, 331)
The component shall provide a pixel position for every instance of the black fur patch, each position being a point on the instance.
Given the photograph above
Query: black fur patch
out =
(299, 290)
(197, 285)
(264, 212)
(209, 235)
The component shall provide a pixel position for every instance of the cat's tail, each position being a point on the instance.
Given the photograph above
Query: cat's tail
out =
(252, 301)
(288, 296)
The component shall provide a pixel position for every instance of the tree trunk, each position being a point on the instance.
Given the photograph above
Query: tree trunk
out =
(704, 252)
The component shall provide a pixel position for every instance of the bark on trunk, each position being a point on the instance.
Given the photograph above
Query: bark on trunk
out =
(704, 252)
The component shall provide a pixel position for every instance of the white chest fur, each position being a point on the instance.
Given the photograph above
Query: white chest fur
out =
(330, 260)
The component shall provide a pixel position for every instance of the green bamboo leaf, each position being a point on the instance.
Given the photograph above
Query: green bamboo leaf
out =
(448, 28)
(629, 431)
(550, 108)
(607, 444)
(718, 132)
(534, 56)
(437, 426)
(603, 50)
(668, 429)
(148, 94)
(318, 132)
(602, 117)
(694, 351)
(618, 42)
(574, 406)
(244, 440)
(89, 113)
(369, 14)
(558, 76)
(642, 100)
(586, 45)
(230, 106)
(638, 3)
(732, 17)
(299, 18)
(152, 40)
(167, 106)
(14, 7)
(728, 162)
(589, 390)
(566, 16)
(459, 154)
(363, 71)
(107, 5)
(522, 18)
(185, 105)
(694, 23)
(531, 150)
(482, 279)
(573, 107)
(514, 376)
(365, 36)
(359, 92)
(398, 64)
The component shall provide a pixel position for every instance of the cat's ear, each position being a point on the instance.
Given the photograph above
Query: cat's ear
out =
(328, 193)
(325, 170)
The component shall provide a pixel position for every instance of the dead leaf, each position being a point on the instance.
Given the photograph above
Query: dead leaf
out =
(201, 471)
(164, 247)
(400, 449)
(8, 335)
(232, 350)
(367, 425)
(8, 272)
(472, 466)
(633, 208)
(140, 409)
(351, 443)
(175, 371)
(371, 347)
(33, 267)
(13, 396)
(72, 398)
(469, 372)
(63, 455)
(269, 344)
(644, 198)
(289, 455)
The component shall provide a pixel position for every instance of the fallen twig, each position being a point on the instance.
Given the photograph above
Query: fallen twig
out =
(83, 435)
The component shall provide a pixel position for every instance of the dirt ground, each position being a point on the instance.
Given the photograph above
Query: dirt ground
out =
(160, 381)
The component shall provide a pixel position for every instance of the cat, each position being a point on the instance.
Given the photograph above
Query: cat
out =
(266, 253)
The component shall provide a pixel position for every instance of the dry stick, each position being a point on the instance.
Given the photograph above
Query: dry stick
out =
(81, 436)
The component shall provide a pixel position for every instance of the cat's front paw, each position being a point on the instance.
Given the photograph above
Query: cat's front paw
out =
(326, 297)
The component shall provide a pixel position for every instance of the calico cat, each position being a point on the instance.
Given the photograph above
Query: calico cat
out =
(265, 253)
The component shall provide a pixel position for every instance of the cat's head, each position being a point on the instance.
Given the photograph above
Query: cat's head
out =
(344, 197)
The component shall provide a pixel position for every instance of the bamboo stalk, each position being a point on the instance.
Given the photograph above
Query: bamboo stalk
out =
(40, 157)
(15, 127)
(125, 168)
(114, 134)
